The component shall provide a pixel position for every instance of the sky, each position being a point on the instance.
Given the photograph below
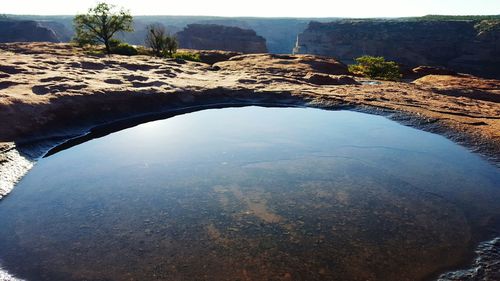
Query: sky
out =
(263, 8)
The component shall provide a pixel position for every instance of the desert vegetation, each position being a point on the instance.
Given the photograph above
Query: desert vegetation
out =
(100, 24)
(121, 48)
(160, 42)
(482, 23)
(187, 56)
(456, 17)
(376, 68)
(104, 21)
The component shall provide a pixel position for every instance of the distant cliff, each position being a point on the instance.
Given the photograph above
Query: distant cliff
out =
(463, 45)
(219, 37)
(280, 33)
(25, 31)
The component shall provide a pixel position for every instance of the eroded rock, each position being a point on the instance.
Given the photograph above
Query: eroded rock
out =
(324, 79)
(459, 45)
(220, 37)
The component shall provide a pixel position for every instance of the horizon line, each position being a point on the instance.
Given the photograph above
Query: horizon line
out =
(270, 17)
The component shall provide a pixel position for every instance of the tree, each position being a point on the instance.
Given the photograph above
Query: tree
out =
(100, 24)
(376, 68)
(155, 39)
(160, 41)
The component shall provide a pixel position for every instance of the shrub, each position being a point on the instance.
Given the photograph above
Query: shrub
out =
(84, 41)
(141, 50)
(124, 49)
(376, 68)
(187, 56)
(171, 45)
(113, 43)
(487, 25)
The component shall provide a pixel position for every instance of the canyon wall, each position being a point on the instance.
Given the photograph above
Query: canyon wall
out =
(25, 31)
(219, 37)
(465, 46)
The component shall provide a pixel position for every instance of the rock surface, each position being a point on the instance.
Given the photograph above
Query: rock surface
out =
(325, 79)
(458, 45)
(215, 56)
(294, 66)
(219, 37)
(422, 71)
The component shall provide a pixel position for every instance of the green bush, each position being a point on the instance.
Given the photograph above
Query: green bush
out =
(187, 56)
(141, 50)
(84, 42)
(487, 25)
(124, 49)
(376, 68)
(458, 18)
(113, 43)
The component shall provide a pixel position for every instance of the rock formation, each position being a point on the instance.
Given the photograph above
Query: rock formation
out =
(465, 46)
(421, 71)
(63, 32)
(215, 56)
(219, 37)
(25, 31)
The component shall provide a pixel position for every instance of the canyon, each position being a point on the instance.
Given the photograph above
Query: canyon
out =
(467, 46)
(26, 31)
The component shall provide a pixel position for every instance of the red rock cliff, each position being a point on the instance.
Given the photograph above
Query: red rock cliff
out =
(219, 37)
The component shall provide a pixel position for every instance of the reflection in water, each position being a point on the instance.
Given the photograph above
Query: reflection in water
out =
(5, 276)
(251, 194)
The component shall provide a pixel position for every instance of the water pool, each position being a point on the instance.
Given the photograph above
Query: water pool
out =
(252, 193)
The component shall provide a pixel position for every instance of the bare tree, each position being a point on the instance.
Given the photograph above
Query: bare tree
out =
(155, 39)
(160, 41)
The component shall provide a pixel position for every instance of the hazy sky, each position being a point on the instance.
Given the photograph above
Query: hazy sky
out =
(264, 8)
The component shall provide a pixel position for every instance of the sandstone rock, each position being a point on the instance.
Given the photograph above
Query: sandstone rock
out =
(422, 71)
(324, 79)
(215, 56)
(219, 37)
(458, 45)
(467, 86)
(287, 65)
(41, 48)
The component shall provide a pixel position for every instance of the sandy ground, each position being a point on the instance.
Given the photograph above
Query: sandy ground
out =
(51, 92)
